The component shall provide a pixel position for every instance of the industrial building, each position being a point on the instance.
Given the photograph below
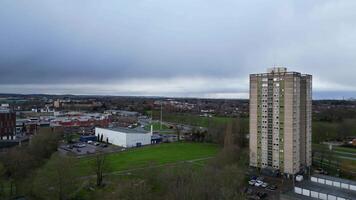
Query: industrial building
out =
(280, 120)
(124, 137)
(79, 119)
(322, 187)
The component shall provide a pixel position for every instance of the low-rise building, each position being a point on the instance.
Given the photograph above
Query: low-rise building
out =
(7, 124)
(322, 187)
(124, 137)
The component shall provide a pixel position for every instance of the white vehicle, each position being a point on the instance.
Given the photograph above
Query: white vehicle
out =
(258, 183)
(252, 182)
(299, 178)
(264, 185)
(90, 142)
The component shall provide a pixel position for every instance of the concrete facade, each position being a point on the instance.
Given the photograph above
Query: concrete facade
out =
(280, 120)
(125, 137)
(7, 124)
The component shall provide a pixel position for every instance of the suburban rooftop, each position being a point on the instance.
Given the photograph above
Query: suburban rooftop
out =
(128, 130)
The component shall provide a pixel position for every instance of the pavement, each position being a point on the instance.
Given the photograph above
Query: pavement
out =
(283, 185)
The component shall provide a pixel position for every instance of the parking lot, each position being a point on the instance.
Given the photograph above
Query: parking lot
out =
(259, 191)
(84, 149)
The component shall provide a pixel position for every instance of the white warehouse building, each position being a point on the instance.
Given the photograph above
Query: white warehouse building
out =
(125, 137)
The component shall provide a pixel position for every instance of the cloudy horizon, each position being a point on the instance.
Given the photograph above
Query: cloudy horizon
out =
(185, 48)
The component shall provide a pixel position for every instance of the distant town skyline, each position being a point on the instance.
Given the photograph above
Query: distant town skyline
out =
(185, 48)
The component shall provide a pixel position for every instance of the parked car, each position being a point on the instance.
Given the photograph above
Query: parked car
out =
(260, 178)
(96, 143)
(252, 182)
(258, 183)
(264, 185)
(79, 145)
(262, 195)
(299, 178)
(90, 142)
(321, 171)
(254, 197)
(248, 191)
(253, 177)
(271, 187)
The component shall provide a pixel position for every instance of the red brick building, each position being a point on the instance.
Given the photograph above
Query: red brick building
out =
(7, 124)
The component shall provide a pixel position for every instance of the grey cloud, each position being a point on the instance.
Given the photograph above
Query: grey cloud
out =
(102, 42)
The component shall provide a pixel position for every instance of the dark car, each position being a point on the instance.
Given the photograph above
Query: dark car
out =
(321, 171)
(262, 195)
(271, 187)
(248, 191)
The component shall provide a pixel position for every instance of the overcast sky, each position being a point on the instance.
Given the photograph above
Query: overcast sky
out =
(186, 48)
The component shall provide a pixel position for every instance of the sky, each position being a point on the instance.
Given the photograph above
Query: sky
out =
(177, 48)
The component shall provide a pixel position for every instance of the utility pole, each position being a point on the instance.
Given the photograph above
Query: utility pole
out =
(151, 116)
(161, 117)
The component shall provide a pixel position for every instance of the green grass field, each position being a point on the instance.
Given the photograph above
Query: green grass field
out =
(137, 158)
(191, 119)
(156, 154)
(345, 149)
(339, 158)
(340, 149)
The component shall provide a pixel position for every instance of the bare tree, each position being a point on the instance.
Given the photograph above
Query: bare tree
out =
(2, 173)
(99, 167)
(62, 170)
(58, 181)
(239, 132)
(178, 131)
(229, 137)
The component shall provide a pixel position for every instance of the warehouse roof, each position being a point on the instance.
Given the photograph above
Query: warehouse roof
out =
(129, 130)
(336, 179)
(326, 189)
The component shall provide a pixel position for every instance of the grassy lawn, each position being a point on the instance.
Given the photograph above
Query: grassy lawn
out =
(345, 149)
(156, 154)
(191, 119)
(340, 156)
(341, 149)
